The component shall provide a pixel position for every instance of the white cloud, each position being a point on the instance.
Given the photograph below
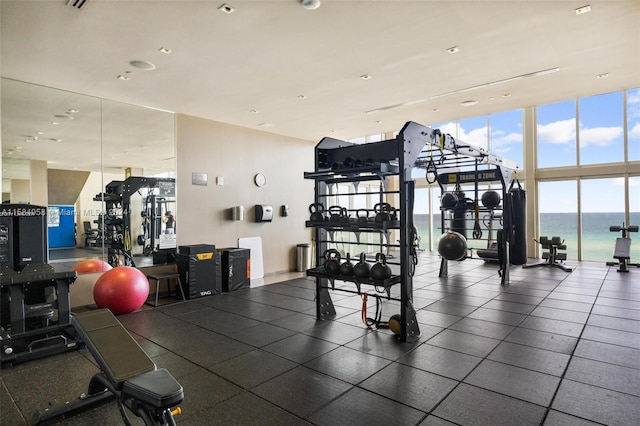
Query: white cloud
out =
(559, 132)
(619, 181)
(600, 136)
(478, 137)
(634, 133)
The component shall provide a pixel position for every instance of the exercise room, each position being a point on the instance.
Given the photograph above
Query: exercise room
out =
(319, 212)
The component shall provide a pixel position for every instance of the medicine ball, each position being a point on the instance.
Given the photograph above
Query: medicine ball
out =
(448, 200)
(452, 246)
(395, 324)
(490, 199)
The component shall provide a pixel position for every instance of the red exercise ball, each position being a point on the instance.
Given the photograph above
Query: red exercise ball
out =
(122, 289)
(90, 266)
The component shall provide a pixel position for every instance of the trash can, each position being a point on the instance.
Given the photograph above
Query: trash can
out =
(303, 252)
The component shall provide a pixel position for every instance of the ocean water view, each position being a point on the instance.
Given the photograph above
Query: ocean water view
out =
(597, 241)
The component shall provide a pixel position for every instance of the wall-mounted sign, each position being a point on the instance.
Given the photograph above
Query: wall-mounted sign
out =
(199, 179)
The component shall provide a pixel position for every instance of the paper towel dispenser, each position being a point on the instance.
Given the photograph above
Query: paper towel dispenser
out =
(264, 213)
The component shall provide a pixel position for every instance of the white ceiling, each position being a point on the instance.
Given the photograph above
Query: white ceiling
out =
(267, 54)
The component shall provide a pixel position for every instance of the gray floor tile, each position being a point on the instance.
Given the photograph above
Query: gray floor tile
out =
(604, 375)
(242, 409)
(482, 328)
(612, 311)
(441, 361)
(355, 408)
(614, 337)
(383, 345)
(517, 382)
(621, 324)
(435, 421)
(258, 335)
(301, 391)
(296, 322)
(336, 332)
(508, 306)
(450, 308)
(556, 418)
(560, 314)
(563, 304)
(494, 315)
(416, 388)
(612, 354)
(436, 319)
(541, 360)
(204, 389)
(463, 342)
(348, 364)
(565, 328)
(300, 348)
(469, 405)
(543, 340)
(597, 404)
(252, 368)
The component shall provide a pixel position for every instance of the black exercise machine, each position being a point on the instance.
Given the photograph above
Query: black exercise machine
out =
(127, 374)
(552, 256)
(622, 250)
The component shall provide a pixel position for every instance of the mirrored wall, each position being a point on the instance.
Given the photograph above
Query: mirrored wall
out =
(61, 149)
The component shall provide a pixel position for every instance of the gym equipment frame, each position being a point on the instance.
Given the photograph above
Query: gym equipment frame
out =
(26, 336)
(622, 250)
(116, 222)
(126, 374)
(453, 164)
(553, 258)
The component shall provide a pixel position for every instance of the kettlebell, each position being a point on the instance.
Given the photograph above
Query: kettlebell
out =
(335, 214)
(317, 212)
(380, 271)
(345, 216)
(362, 216)
(362, 268)
(332, 261)
(347, 267)
(383, 212)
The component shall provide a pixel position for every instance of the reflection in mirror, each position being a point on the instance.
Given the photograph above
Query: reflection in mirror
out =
(61, 149)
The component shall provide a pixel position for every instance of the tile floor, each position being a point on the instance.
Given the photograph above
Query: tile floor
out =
(552, 348)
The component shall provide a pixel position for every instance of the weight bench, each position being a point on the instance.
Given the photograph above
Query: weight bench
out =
(126, 374)
(622, 250)
(552, 257)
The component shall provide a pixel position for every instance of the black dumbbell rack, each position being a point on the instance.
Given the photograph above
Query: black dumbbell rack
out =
(338, 161)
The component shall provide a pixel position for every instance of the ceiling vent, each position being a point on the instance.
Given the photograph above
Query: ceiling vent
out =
(78, 4)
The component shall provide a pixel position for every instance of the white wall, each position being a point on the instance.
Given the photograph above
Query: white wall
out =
(237, 154)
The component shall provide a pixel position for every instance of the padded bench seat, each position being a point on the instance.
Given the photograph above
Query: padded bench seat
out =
(156, 388)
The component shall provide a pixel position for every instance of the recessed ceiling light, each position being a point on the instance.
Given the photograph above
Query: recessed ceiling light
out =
(302, 97)
(39, 133)
(164, 50)
(469, 103)
(583, 10)
(142, 65)
(454, 49)
(55, 123)
(56, 140)
(265, 125)
(378, 121)
(66, 117)
(506, 95)
(365, 77)
(123, 77)
(435, 110)
(18, 148)
(225, 8)
(72, 111)
(310, 4)
(603, 75)
(254, 111)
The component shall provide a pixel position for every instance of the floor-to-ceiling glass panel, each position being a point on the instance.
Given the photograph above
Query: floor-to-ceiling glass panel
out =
(474, 131)
(601, 129)
(602, 205)
(558, 203)
(421, 216)
(506, 136)
(633, 124)
(634, 217)
(556, 129)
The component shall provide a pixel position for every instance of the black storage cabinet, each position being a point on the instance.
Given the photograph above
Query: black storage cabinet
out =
(199, 269)
(236, 267)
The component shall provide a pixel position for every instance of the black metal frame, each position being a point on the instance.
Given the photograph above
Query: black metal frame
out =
(116, 222)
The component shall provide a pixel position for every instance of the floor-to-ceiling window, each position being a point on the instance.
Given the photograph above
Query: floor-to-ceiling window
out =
(558, 207)
(602, 205)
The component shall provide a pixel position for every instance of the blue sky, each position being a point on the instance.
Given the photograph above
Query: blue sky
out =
(601, 134)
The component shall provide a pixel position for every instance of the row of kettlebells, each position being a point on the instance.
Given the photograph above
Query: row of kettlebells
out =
(383, 212)
(379, 271)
